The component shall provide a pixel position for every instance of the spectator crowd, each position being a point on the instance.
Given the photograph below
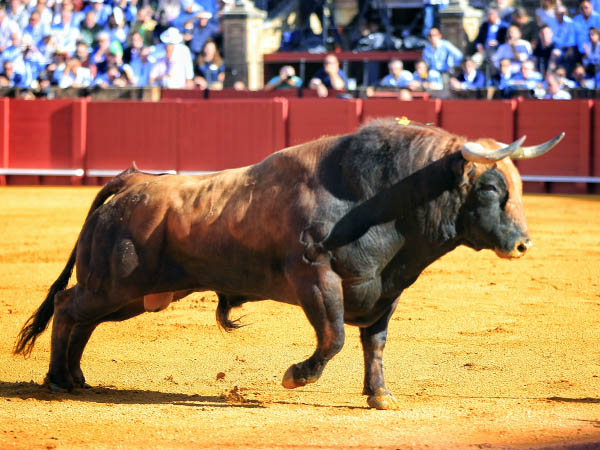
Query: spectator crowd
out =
(84, 43)
(175, 44)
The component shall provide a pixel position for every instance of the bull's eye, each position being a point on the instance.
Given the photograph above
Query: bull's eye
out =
(487, 187)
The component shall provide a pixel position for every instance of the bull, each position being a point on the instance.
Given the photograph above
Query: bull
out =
(339, 226)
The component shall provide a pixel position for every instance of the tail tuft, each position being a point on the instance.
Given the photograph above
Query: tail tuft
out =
(223, 309)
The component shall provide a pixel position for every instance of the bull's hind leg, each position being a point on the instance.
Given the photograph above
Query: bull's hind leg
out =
(58, 376)
(319, 291)
(373, 341)
(81, 333)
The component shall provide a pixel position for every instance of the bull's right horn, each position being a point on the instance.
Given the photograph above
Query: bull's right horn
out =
(536, 150)
(475, 152)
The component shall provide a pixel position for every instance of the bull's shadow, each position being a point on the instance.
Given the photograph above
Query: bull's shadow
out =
(112, 395)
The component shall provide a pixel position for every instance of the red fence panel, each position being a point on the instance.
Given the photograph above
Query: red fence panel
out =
(480, 118)
(43, 133)
(121, 132)
(311, 118)
(221, 134)
(596, 145)
(424, 111)
(182, 94)
(541, 120)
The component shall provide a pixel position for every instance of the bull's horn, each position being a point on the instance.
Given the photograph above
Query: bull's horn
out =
(473, 151)
(536, 150)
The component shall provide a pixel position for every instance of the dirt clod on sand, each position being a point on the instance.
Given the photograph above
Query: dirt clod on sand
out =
(481, 353)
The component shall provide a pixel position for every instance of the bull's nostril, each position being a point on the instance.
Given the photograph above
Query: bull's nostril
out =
(522, 248)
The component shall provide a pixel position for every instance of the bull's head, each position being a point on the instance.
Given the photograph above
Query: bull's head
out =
(493, 216)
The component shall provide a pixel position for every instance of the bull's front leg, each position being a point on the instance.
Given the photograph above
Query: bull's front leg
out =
(320, 294)
(373, 341)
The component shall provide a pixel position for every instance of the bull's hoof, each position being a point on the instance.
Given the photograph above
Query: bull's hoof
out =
(291, 382)
(382, 399)
(58, 386)
(79, 382)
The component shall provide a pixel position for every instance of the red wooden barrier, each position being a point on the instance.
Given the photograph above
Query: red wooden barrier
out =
(541, 120)
(480, 118)
(596, 146)
(121, 132)
(46, 135)
(311, 118)
(182, 94)
(222, 134)
(424, 111)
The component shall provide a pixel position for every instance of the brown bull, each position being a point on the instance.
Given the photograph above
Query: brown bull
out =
(339, 226)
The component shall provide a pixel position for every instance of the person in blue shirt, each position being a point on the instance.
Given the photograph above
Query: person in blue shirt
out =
(398, 77)
(425, 79)
(330, 75)
(440, 54)
(103, 11)
(563, 29)
(286, 79)
(10, 78)
(204, 27)
(527, 77)
(469, 78)
(492, 32)
(140, 67)
(66, 32)
(586, 19)
(36, 29)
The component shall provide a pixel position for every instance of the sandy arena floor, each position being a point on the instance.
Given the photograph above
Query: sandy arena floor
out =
(482, 353)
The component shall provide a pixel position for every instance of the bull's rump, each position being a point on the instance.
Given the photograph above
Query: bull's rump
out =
(233, 232)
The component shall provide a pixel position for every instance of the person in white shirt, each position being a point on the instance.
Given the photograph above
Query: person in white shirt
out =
(554, 89)
(175, 70)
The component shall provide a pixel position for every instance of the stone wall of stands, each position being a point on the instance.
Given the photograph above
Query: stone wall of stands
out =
(81, 141)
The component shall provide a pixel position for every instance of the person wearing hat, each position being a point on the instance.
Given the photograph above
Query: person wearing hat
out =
(175, 69)
(203, 29)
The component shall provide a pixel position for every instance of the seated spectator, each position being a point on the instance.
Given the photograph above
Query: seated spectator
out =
(545, 14)
(144, 25)
(209, 70)
(561, 73)
(100, 53)
(7, 29)
(398, 77)
(440, 54)
(546, 53)
(203, 28)
(491, 34)
(527, 26)
(89, 29)
(14, 53)
(470, 78)
(133, 50)
(117, 29)
(554, 89)
(286, 79)
(112, 78)
(140, 68)
(586, 19)
(515, 49)
(527, 77)
(10, 78)
(44, 12)
(175, 69)
(17, 12)
(330, 75)
(563, 29)
(591, 57)
(169, 8)
(75, 75)
(36, 29)
(580, 77)
(501, 79)
(34, 61)
(101, 10)
(425, 79)
(66, 31)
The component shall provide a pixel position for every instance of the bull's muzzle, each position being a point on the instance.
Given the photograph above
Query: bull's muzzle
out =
(519, 249)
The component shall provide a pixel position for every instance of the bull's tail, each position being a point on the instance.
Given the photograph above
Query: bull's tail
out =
(38, 322)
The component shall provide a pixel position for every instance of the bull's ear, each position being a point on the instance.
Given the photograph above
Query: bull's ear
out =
(462, 171)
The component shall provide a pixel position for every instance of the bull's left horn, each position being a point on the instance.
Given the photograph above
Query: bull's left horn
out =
(536, 150)
(473, 151)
